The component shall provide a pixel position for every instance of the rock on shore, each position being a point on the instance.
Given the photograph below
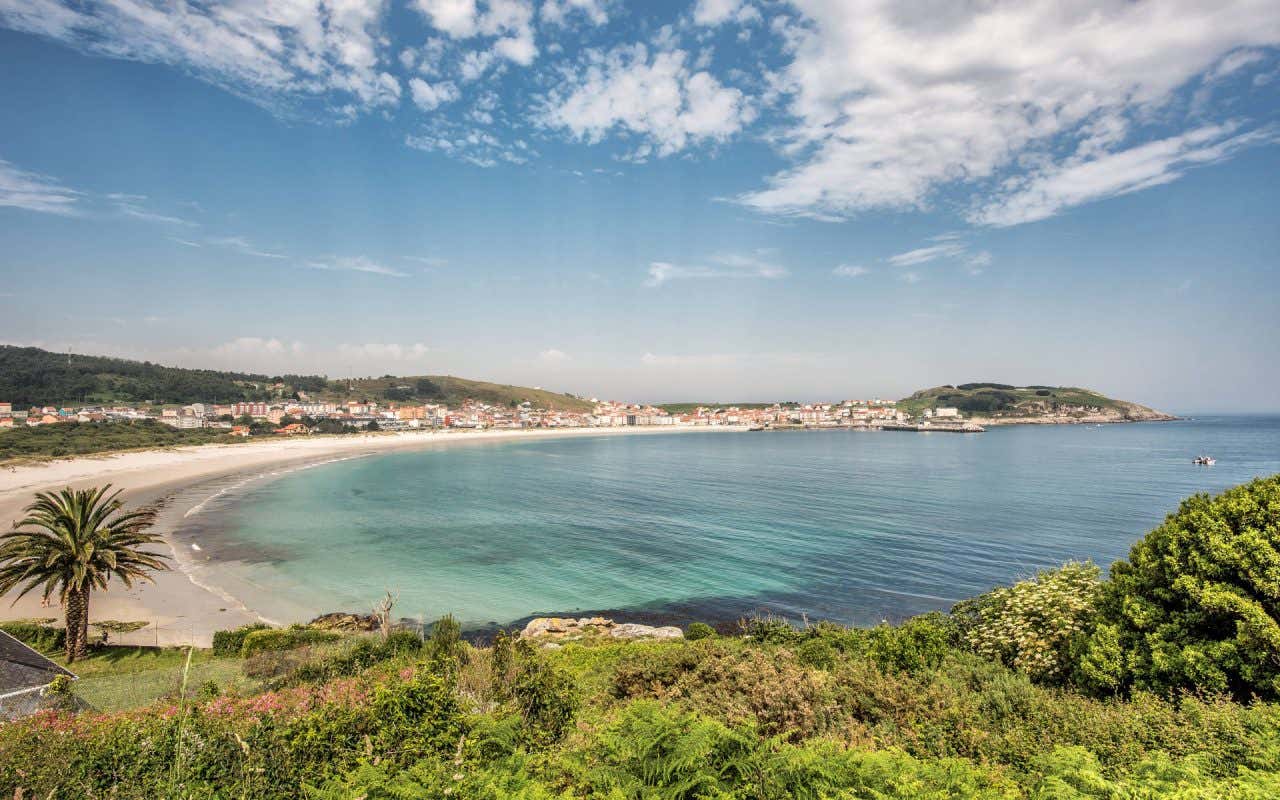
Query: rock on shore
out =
(345, 622)
(560, 629)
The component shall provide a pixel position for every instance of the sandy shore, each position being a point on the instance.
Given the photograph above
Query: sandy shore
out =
(179, 611)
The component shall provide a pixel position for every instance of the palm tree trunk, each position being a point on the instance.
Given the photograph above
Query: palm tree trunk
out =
(77, 616)
(84, 626)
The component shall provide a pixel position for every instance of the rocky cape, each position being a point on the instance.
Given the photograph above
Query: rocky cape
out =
(554, 630)
(1003, 404)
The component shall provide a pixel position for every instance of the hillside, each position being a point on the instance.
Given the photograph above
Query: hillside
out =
(1000, 402)
(31, 376)
(452, 391)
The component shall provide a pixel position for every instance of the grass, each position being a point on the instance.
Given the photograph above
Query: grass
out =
(83, 438)
(121, 678)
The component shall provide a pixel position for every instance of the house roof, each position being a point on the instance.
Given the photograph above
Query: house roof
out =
(24, 668)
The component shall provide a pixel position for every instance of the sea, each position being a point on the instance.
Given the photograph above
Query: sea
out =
(845, 525)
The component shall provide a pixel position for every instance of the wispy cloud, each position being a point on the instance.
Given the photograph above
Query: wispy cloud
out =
(429, 261)
(553, 356)
(130, 206)
(1086, 178)
(850, 271)
(892, 107)
(924, 255)
(257, 346)
(381, 351)
(978, 262)
(951, 246)
(35, 192)
(356, 264)
(721, 266)
(185, 242)
(243, 245)
(276, 54)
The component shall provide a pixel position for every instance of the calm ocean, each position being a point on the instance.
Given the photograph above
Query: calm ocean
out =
(842, 525)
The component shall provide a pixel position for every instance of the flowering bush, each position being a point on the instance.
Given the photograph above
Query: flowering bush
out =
(1033, 625)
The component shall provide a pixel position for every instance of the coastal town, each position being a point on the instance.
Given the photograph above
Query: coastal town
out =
(301, 415)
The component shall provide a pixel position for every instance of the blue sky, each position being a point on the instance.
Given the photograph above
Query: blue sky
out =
(716, 200)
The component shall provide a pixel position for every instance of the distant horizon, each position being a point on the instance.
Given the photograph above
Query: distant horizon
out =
(783, 397)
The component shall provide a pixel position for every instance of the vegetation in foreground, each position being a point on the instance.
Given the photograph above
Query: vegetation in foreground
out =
(1160, 681)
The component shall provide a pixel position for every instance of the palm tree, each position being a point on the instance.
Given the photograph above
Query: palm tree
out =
(73, 542)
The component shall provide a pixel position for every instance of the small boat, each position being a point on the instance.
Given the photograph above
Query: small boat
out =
(756, 428)
(1204, 461)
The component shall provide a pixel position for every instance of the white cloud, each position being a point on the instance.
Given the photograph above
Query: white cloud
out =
(474, 64)
(249, 346)
(454, 17)
(893, 100)
(185, 242)
(276, 52)
(723, 266)
(910, 277)
(978, 262)
(430, 261)
(130, 206)
(35, 192)
(509, 20)
(519, 49)
(553, 356)
(714, 12)
(1047, 191)
(558, 12)
(655, 96)
(356, 264)
(473, 145)
(427, 96)
(923, 255)
(850, 271)
(384, 352)
(244, 246)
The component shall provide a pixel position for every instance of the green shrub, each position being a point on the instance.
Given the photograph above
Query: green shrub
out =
(654, 751)
(919, 643)
(276, 639)
(39, 637)
(1034, 625)
(698, 630)
(361, 655)
(546, 697)
(768, 629)
(446, 642)
(229, 643)
(1197, 603)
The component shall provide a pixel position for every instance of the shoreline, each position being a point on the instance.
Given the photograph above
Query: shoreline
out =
(179, 609)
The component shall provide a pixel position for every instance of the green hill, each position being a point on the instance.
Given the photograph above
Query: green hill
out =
(31, 376)
(1003, 401)
(453, 390)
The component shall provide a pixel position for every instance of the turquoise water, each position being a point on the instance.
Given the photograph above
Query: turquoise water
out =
(844, 525)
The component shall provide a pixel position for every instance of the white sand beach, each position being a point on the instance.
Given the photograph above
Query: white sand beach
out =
(179, 611)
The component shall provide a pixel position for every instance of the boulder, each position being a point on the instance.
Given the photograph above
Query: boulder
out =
(567, 629)
(631, 630)
(343, 621)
